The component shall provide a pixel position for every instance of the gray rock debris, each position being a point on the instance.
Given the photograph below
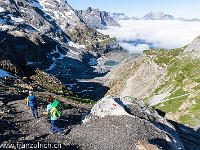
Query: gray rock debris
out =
(113, 123)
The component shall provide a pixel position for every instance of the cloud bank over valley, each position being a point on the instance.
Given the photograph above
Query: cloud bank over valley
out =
(139, 35)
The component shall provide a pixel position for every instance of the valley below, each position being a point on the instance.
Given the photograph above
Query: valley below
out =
(91, 84)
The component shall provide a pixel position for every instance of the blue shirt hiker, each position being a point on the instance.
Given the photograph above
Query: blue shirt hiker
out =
(32, 102)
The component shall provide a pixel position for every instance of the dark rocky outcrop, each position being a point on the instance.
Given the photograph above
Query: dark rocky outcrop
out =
(94, 40)
(16, 50)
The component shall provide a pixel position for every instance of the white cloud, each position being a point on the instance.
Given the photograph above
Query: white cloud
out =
(167, 34)
(2, 9)
(134, 49)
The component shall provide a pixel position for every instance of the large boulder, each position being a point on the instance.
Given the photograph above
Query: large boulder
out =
(125, 123)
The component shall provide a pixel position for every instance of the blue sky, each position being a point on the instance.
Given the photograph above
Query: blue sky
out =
(177, 8)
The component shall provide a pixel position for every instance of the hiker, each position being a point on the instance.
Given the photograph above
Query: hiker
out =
(32, 103)
(54, 108)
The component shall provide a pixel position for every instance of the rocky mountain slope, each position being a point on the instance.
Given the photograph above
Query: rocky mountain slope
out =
(96, 19)
(18, 128)
(112, 123)
(38, 28)
(168, 80)
(48, 34)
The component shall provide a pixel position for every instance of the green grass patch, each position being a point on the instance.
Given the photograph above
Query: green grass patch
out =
(185, 119)
(166, 84)
(180, 78)
(178, 93)
(197, 87)
(196, 80)
(195, 109)
(81, 100)
(172, 105)
(151, 118)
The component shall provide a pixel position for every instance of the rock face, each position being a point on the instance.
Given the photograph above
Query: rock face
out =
(193, 49)
(122, 16)
(96, 19)
(135, 77)
(157, 16)
(124, 123)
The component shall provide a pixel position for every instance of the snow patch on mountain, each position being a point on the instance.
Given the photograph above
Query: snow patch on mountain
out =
(156, 99)
(53, 65)
(15, 19)
(36, 3)
(72, 44)
(2, 9)
(93, 61)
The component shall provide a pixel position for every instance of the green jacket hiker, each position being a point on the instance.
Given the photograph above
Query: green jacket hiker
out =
(54, 108)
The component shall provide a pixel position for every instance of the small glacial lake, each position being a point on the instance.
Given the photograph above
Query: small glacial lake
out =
(111, 63)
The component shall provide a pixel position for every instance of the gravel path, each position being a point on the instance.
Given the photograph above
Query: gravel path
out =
(25, 129)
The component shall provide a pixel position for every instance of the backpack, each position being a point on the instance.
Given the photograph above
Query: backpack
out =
(32, 100)
(56, 109)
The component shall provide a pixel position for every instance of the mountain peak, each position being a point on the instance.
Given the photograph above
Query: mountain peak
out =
(157, 16)
(89, 9)
(97, 19)
(122, 16)
(193, 49)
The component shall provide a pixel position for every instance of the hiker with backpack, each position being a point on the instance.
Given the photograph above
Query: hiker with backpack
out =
(54, 108)
(32, 103)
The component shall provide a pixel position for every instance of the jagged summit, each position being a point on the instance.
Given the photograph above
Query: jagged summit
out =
(122, 16)
(157, 16)
(60, 11)
(89, 9)
(97, 19)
